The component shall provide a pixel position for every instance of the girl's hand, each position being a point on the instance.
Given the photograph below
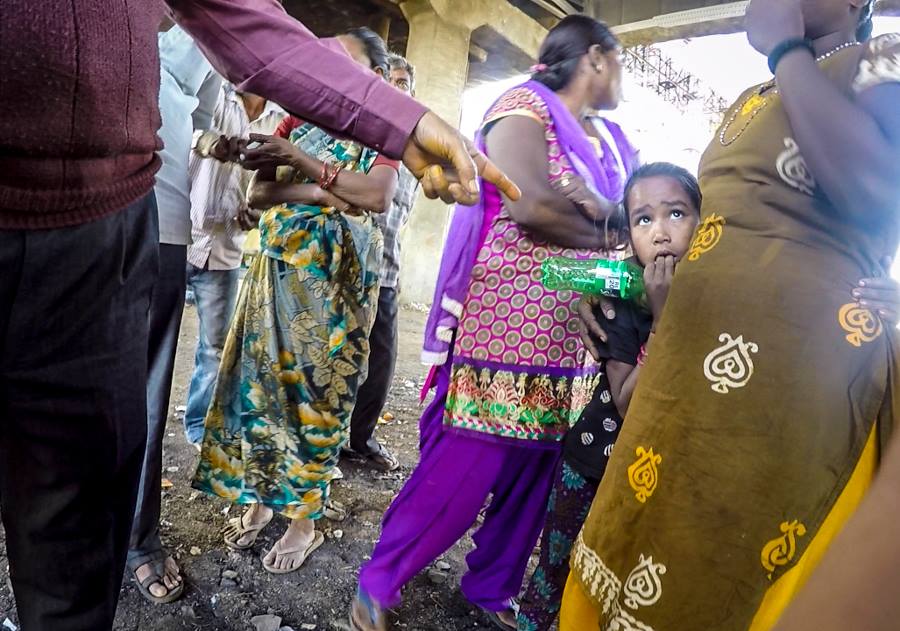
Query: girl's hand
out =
(271, 153)
(881, 296)
(770, 22)
(576, 190)
(657, 282)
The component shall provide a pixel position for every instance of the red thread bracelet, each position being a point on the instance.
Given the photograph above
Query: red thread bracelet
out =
(334, 175)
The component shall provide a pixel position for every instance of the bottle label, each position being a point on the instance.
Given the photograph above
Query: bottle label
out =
(614, 283)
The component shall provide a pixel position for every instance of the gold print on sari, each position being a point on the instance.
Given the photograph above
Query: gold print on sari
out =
(793, 169)
(860, 324)
(643, 475)
(730, 365)
(643, 587)
(779, 552)
(708, 235)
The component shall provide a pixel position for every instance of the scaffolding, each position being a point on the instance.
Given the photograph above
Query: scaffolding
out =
(654, 70)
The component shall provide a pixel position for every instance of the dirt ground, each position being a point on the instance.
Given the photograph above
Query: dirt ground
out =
(317, 597)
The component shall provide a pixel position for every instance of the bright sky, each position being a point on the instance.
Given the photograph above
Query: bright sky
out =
(725, 63)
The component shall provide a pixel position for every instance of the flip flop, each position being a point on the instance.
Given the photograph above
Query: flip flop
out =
(497, 621)
(363, 605)
(157, 573)
(235, 530)
(315, 544)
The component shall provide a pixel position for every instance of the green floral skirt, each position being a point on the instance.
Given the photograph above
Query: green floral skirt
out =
(293, 361)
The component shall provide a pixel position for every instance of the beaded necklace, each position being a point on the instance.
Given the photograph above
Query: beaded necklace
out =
(758, 100)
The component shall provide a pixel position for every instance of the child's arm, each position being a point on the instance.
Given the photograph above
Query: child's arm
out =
(622, 380)
(623, 377)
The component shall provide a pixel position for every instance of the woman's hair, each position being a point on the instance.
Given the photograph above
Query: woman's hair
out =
(564, 46)
(664, 169)
(376, 49)
(866, 25)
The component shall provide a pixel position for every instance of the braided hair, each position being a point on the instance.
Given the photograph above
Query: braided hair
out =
(564, 46)
(866, 25)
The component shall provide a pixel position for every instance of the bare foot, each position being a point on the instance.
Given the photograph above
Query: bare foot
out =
(171, 579)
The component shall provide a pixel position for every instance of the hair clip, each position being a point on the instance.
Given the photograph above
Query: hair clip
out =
(536, 68)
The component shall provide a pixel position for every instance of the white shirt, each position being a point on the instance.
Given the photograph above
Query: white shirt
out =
(187, 96)
(218, 190)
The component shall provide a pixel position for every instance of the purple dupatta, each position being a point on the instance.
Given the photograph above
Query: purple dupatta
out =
(466, 234)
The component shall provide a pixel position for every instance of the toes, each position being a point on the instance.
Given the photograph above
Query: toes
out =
(158, 590)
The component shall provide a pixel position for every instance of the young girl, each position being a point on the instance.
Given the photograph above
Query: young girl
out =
(662, 204)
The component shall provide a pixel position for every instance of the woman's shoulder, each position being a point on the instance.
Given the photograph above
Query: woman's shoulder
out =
(880, 62)
(519, 101)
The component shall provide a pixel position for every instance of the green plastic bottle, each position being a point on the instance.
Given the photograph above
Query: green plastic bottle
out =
(615, 279)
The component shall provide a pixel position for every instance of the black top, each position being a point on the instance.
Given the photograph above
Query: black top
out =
(589, 443)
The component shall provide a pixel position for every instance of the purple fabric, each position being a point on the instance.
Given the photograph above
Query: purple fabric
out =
(467, 229)
(441, 502)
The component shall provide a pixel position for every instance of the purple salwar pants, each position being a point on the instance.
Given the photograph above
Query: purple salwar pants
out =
(441, 501)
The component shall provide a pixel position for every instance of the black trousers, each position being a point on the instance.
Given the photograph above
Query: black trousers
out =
(73, 338)
(166, 309)
(373, 393)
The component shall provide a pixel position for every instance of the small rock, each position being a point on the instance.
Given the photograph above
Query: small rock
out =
(188, 612)
(194, 495)
(437, 577)
(335, 511)
(8, 624)
(267, 622)
(307, 626)
(338, 534)
(195, 551)
(171, 469)
(167, 483)
(443, 566)
(180, 408)
(230, 575)
(227, 582)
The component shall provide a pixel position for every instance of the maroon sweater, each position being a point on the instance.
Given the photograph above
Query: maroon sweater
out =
(79, 84)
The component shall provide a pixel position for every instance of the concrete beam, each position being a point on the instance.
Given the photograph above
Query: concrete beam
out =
(652, 21)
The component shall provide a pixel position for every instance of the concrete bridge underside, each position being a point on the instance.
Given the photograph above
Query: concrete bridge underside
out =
(651, 21)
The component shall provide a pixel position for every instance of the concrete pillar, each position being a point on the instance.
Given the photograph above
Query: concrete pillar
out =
(384, 27)
(440, 52)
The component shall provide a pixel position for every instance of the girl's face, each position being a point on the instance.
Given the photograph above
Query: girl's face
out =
(662, 219)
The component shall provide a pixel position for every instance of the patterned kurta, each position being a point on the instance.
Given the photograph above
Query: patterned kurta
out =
(519, 368)
(296, 351)
(752, 433)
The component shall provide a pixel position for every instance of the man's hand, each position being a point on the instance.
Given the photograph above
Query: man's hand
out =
(248, 218)
(272, 152)
(657, 282)
(448, 164)
(227, 149)
(770, 22)
(589, 327)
